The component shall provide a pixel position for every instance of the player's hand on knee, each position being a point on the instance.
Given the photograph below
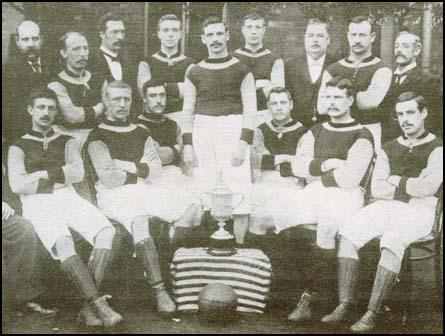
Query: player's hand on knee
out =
(189, 157)
(239, 154)
(7, 211)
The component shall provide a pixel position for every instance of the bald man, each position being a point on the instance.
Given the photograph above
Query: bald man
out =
(22, 72)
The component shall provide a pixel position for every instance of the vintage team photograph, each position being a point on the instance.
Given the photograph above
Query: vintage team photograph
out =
(222, 167)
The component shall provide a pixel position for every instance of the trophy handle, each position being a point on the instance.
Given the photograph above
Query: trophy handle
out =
(240, 200)
(203, 199)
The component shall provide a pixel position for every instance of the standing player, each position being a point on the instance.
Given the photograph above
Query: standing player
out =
(266, 67)
(78, 91)
(167, 66)
(220, 105)
(370, 78)
(42, 166)
(406, 180)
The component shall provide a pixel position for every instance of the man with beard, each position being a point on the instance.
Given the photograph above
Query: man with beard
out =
(20, 75)
(405, 183)
(78, 91)
(267, 68)
(370, 78)
(167, 66)
(408, 76)
(112, 61)
(303, 74)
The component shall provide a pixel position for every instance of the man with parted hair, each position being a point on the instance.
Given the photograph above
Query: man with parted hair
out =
(112, 61)
(22, 73)
(303, 74)
(409, 76)
(370, 77)
(220, 106)
(267, 68)
(43, 165)
(78, 90)
(126, 165)
(168, 65)
(334, 158)
(405, 183)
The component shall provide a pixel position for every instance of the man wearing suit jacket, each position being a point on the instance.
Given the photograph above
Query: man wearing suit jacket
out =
(408, 76)
(19, 76)
(303, 74)
(112, 61)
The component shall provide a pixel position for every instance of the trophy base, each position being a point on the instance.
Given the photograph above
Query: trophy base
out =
(222, 247)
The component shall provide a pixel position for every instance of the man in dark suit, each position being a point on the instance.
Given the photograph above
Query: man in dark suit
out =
(112, 61)
(408, 76)
(303, 74)
(20, 75)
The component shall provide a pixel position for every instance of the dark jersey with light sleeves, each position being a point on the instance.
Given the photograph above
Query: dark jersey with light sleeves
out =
(170, 71)
(260, 64)
(271, 140)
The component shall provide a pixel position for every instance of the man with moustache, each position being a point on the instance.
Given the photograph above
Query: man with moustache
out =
(370, 78)
(112, 61)
(408, 76)
(168, 66)
(78, 91)
(303, 74)
(406, 181)
(220, 106)
(20, 75)
(267, 68)
(334, 158)
(126, 167)
(42, 166)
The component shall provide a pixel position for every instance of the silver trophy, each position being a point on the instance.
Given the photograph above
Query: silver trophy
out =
(221, 206)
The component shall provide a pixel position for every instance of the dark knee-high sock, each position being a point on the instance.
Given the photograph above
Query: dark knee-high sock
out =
(322, 269)
(99, 260)
(81, 277)
(146, 250)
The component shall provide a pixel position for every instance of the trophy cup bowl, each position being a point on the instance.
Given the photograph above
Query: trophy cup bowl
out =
(221, 205)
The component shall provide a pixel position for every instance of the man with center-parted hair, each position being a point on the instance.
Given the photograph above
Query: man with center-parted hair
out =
(267, 68)
(43, 165)
(112, 60)
(168, 66)
(78, 90)
(334, 158)
(126, 166)
(220, 106)
(405, 183)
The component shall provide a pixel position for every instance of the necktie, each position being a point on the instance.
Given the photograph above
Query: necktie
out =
(35, 66)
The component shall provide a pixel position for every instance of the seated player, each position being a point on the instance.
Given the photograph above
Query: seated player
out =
(274, 148)
(406, 179)
(42, 166)
(22, 255)
(334, 158)
(126, 165)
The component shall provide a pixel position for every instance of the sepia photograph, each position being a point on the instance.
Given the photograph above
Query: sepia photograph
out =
(222, 167)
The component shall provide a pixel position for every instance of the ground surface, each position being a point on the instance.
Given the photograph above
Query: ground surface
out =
(138, 309)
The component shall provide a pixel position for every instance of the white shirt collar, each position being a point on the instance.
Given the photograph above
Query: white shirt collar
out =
(108, 52)
(405, 70)
(313, 62)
